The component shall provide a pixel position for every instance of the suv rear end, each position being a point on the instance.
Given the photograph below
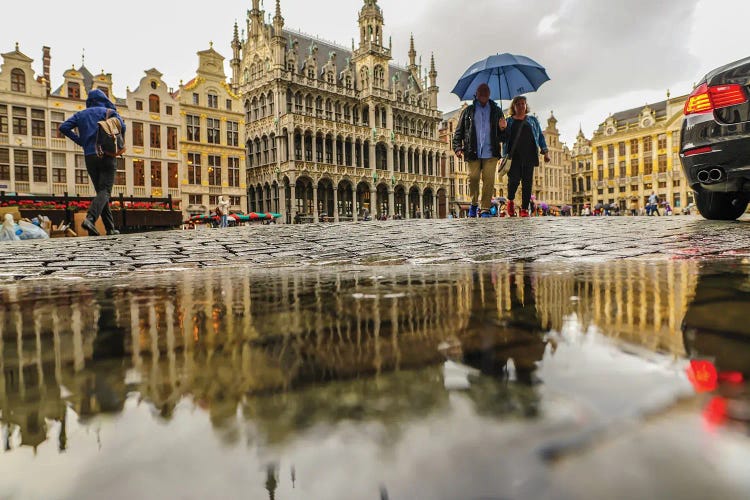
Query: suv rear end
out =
(715, 141)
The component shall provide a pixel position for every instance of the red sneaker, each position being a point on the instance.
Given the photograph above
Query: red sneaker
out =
(524, 213)
(511, 209)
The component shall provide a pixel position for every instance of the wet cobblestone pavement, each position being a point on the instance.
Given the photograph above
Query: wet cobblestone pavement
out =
(376, 243)
(539, 359)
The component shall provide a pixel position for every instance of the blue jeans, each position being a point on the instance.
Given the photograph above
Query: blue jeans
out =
(224, 221)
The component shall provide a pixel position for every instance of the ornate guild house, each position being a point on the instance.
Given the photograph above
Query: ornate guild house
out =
(335, 133)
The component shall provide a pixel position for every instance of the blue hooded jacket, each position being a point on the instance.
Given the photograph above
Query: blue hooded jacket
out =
(86, 121)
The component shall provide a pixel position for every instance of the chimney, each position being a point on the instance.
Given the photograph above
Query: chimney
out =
(46, 59)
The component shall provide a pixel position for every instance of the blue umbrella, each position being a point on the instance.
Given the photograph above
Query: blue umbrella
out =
(507, 75)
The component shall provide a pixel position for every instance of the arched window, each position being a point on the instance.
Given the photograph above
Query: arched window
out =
(319, 106)
(262, 105)
(309, 104)
(298, 102)
(247, 110)
(270, 104)
(379, 78)
(311, 71)
(255, 108)
(17, 80)
(348, 81)
(153, 103)
(289, 101)
(330, 78)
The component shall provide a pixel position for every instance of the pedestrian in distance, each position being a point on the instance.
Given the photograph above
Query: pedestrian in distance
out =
(653, 201)
(477, 140)
(83, 129)
(523, 142)
(223, 211)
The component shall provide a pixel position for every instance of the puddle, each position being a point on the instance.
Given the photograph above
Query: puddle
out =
(482, 381)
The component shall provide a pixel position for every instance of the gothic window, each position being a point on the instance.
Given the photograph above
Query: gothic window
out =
(247, 110)
(290, 65)
(329, 111)
(298, 102)
(319, 107)
(348, 81)
(379, 78)
(338, 111)
(255, 108)
(330, 78)
(311, 71)
(364, 78)
(262, 106)
(270, 103)
(347, 113)
(17, 80)
(309, 104)
(289, 101)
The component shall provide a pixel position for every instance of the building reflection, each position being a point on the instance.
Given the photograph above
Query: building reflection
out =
(288, 350)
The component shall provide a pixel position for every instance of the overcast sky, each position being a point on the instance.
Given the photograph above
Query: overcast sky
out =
(603, 55)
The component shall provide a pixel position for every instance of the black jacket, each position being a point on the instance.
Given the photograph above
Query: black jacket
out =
(465, 137)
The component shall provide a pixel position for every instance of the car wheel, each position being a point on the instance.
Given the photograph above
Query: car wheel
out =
(721, 206)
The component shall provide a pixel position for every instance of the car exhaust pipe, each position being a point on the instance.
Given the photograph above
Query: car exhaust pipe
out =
(704, 176)
(716, 175)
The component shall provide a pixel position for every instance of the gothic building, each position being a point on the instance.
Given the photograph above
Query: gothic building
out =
(337, 133)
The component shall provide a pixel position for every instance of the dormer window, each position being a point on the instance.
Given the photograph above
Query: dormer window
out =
(17, 80)
(74, 90)
(105, 90)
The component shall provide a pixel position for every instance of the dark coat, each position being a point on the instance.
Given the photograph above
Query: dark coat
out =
(465, 138)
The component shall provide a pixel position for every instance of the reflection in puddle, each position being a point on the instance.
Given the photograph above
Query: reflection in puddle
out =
(286, 364)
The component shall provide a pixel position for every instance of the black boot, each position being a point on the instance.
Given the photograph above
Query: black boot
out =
(89, 226)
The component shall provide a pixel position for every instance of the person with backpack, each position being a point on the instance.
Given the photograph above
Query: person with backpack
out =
(100, 157)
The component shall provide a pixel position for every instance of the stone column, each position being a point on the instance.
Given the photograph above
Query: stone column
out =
(336, 203)
(435, 211)
(293, 203)
(373, 202)
(325, 149)
(389, 159)
(421, 203)
(361, 154)
(315, 148)
(354, 204)
(373, 166)
(391, 202)
(371, 110)
(447, 203)
(315, 203)
(419, 164)
(282, 202)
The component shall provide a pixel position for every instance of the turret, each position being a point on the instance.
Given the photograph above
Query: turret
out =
(412, 54)
(433, 89)
(255, 20)
(236, 58)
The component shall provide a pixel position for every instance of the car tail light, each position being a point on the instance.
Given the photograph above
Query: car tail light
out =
(698, 151)
(705, 99)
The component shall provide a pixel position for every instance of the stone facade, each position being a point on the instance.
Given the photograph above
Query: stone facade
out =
(211, 142)
(581, 175)
(336, 132)
(35, 158)
(636, 152)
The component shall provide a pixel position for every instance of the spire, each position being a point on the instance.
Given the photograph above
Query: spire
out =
(278, 19)
(236, 37)
(412, 52)
(433, 71)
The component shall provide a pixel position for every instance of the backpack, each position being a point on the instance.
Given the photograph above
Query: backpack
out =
(109, 139)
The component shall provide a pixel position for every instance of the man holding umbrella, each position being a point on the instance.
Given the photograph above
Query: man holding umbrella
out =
(477, 140)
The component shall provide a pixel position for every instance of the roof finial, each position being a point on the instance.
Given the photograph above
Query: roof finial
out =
(83, 57)
(211, 44)
(17, 47)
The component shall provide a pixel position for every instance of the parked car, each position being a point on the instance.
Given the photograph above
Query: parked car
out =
(715, 141)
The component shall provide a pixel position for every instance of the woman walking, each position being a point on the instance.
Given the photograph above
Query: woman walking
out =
(523, 141)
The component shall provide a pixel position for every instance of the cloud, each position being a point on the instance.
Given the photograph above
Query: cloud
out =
(592, 49)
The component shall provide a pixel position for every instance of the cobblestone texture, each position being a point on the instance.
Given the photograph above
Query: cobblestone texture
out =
(380, 243)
